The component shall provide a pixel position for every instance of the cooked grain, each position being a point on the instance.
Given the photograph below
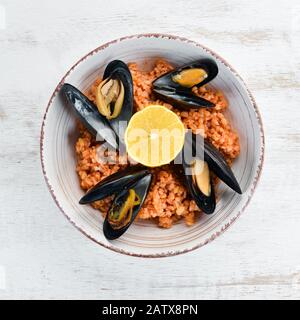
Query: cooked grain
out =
(168, 200)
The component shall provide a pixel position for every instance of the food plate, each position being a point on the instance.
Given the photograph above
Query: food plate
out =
(143, 238)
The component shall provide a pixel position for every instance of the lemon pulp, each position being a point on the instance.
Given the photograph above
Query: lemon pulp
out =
(154, 136)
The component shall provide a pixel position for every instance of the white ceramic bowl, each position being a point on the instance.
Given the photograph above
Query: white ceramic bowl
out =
(58, 136)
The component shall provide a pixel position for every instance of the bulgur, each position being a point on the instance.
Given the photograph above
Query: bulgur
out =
(168, 200)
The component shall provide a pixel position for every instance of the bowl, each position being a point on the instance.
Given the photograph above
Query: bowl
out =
(144, 238)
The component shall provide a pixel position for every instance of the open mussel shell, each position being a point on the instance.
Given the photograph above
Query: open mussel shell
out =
(182, 100)
(89, 115)
(114, 183)
(220, 167)
(205, 202)
(141, 188)
(175, 87)
(217, 163)
(199, 182)
(118, 70)
(208, 71)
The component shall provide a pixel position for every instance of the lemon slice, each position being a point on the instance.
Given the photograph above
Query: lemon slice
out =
(154, 136)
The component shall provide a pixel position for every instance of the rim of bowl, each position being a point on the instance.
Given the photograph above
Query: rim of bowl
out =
(222, 228)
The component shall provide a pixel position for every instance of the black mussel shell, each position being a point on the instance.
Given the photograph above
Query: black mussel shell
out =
(117, 69)
(218, 165)
(89, 114)
(113, 66)
(114, 183)
(206, 203)
(141, 187)
(182, 97)
(208, 65)
(182, 100)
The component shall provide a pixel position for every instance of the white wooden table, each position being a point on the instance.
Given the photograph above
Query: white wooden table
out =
(43, 256)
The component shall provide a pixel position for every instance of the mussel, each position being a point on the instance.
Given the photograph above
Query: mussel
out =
(203, 159)
(114, 103)
(175, 87)
(114, 183)
(89, 115)
(198, 177)
(218, 164)
(130, 187)
(126, 207)
(200, 184)
(114, 96)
